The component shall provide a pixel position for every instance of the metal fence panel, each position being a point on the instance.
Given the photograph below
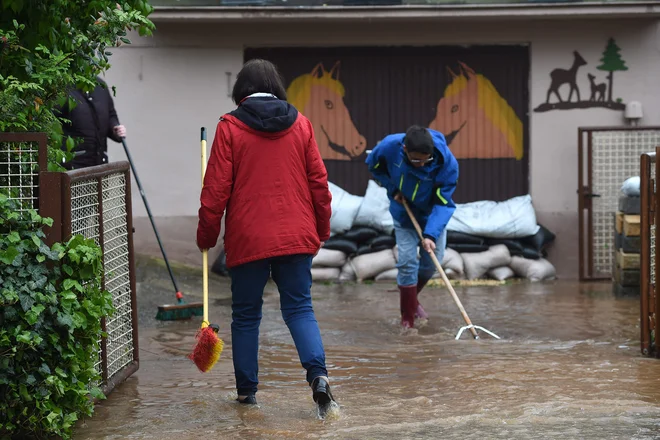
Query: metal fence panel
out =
(608, 156)
(22, 157)
(95, 202)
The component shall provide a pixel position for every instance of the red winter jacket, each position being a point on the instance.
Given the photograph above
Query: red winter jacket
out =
(265, 169)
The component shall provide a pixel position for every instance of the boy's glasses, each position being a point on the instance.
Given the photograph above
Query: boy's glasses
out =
(430, 159)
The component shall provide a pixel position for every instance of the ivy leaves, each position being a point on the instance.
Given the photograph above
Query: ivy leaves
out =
(51, 306)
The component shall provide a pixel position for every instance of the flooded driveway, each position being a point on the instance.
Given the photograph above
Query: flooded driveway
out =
(568, 366)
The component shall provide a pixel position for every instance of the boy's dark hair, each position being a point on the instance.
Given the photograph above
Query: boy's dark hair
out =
(258, 76)
(419, 140)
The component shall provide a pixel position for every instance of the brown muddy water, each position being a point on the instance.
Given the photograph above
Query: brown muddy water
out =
(568, 367)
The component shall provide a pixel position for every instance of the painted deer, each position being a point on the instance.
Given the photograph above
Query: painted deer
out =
(560, 77)
(596, 89)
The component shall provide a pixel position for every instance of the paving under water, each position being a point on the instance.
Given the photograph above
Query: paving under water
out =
(568, 366)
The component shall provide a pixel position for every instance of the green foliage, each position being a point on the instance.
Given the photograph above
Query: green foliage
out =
(51, 305)
(49, 46)
(611, 60)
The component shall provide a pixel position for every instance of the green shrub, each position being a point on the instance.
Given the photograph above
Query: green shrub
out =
(51, 304)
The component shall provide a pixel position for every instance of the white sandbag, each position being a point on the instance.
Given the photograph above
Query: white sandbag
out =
(453, 260)
(513, 218)
(367, 266)
(347, 272)
(388, 275)
(375, 209)
(395, 249)
(533, 270)
(344, 209)
(329, 258)
(630, 187)
(325, 273)
(452, 275)
(501, 273)
(478, 264)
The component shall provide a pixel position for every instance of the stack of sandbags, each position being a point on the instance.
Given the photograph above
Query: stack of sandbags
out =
(327, 264)
(360, 240)
(627, 242)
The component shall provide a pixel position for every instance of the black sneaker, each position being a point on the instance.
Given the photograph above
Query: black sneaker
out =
(247, 400)
(321, 394)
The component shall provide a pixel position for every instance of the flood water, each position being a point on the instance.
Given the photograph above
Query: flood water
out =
(568, 367)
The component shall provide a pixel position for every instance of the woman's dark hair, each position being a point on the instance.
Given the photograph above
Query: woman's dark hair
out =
(258, 76)
(419, 140)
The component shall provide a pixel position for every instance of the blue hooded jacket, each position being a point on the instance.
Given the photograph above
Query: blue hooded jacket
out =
(428, 189)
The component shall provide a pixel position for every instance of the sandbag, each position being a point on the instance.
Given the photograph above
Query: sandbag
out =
(369, 265)
(375, 209)
(361, 234)
(453, 260)
(329, 258)
(460, 238)
(347, 272)
(477, 265)
(395, 250)
(381, 240)
(630, 205)
(451, 275)
(388, 275)
(513, 218)
(325, 273)
(540, 240)
(514, 246)
(501, 273)
(527, 252)
(344, 207)
(534, 270)
(631, 186)
(364, 249)
(339, 243)
(464, 248)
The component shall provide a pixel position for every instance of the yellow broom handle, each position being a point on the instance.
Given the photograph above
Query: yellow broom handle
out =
(205, 254)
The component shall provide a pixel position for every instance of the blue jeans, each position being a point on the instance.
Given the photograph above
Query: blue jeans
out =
(411, 269)
(293, 277)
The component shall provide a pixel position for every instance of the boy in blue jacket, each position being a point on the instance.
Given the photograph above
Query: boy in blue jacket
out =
(419, 167)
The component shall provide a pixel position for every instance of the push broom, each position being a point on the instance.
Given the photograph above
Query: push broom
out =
(209, 346)
(165, 312)
(473, 328)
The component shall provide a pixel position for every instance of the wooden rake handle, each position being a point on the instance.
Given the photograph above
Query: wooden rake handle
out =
(442, 272)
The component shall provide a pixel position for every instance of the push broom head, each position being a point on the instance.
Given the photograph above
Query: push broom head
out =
(175, 312)
(207, 351)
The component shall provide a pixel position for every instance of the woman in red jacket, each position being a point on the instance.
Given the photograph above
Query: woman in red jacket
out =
(266, 171)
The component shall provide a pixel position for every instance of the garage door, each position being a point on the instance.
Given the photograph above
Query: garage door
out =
(354, 96)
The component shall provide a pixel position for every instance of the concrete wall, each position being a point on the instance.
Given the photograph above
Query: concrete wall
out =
(173, 83)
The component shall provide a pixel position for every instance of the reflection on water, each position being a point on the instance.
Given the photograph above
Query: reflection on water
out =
(568, 366)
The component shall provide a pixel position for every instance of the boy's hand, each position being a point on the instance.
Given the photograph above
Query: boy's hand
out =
(398, 197)
(428, 245)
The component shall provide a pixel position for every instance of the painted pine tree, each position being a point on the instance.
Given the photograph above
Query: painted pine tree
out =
(611, 62)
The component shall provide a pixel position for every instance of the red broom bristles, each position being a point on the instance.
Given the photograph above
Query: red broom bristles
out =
(207, 351)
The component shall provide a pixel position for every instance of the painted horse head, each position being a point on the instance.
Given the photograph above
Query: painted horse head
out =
(476, 120)
(320, 97)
